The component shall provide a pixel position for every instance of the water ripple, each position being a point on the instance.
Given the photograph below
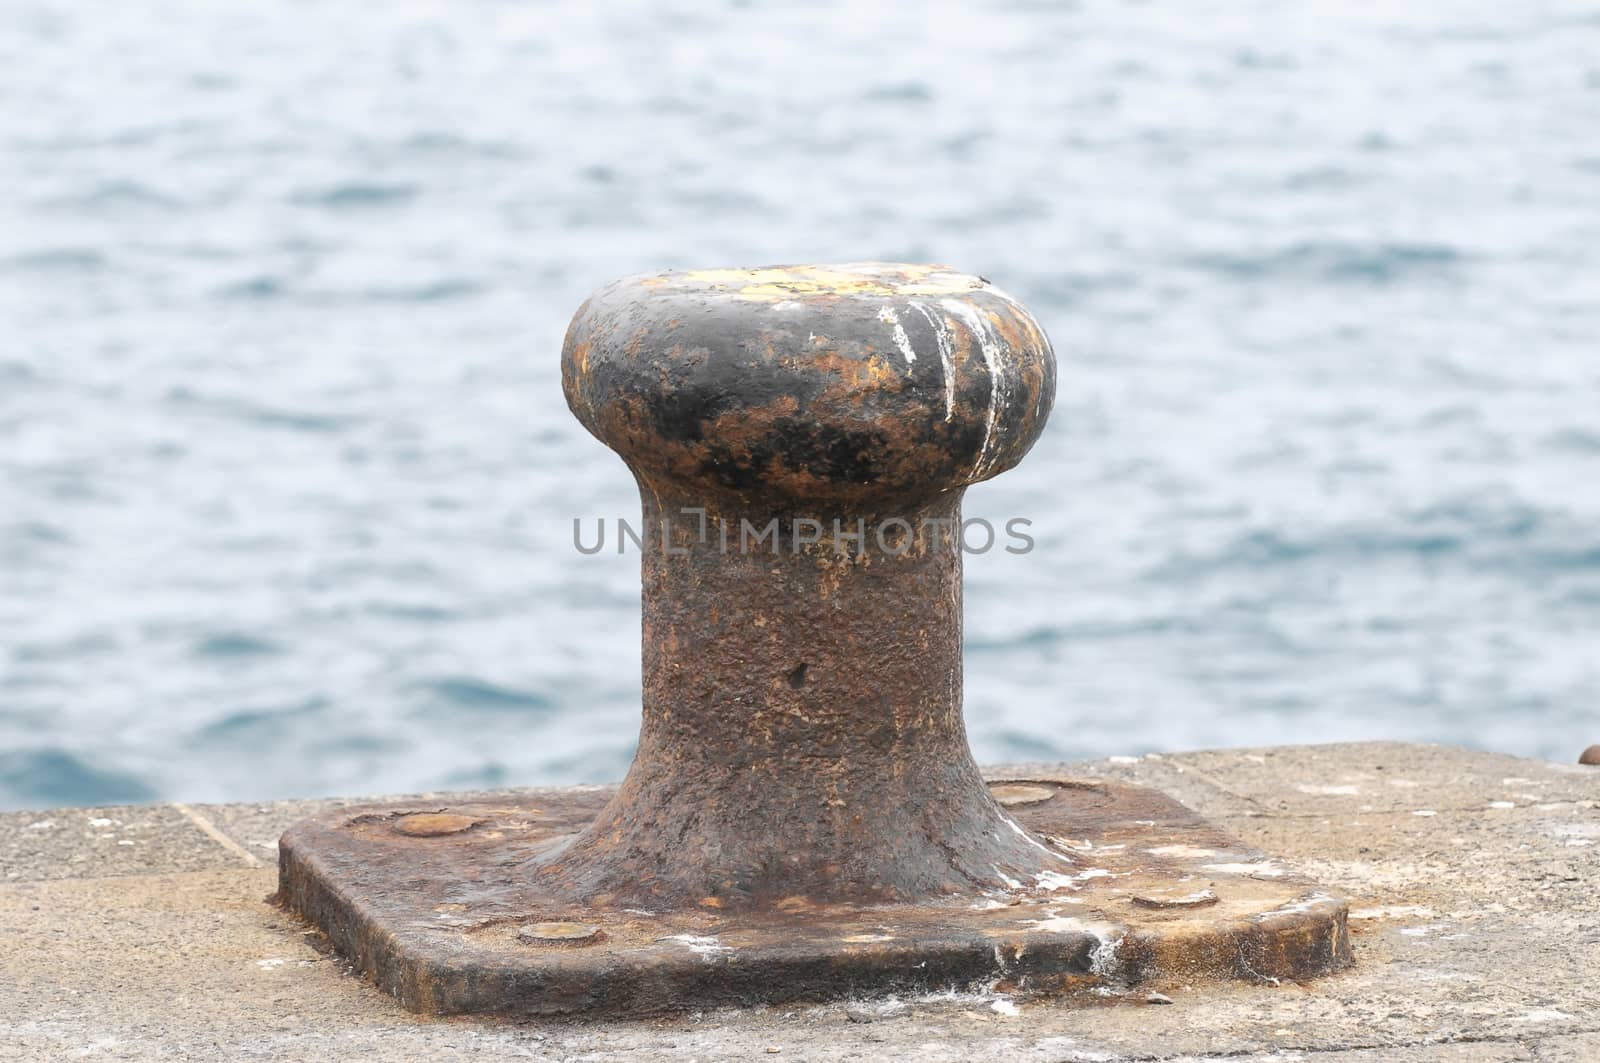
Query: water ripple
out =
(466, 692)
(287, 478)
(45, 777)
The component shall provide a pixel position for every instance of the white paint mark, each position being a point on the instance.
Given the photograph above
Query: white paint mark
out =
(706, 947)
(271, 964)
(100, 821)
(1502, 804)
(43, 824)
(1054, 880)
(1417, 931)
(1031, 840)
(978, 326)
(886, 314)
(1543, 1015)
(1103, 959)
(887, 1006)
(1075, 845)
(1003, 1006)
(1056, 923)
(1424, 812)
(1186, 852)
(941, 338)
(1258, 869)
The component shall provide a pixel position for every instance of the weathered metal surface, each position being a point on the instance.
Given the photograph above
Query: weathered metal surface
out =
(809, 389)
(803, 797)
(802, 732)
(453, 923)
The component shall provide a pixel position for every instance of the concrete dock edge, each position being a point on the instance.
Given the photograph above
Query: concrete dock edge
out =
(143, 933)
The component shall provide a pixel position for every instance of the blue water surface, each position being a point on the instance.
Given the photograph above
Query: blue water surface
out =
(287, 482)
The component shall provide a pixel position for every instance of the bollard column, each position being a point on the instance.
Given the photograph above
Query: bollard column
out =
(801, 470)
(803, 818)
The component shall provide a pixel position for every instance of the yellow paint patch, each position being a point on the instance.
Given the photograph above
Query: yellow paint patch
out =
(777, 283)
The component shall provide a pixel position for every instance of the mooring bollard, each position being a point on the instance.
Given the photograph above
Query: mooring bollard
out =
(801, 469)
(803, 817)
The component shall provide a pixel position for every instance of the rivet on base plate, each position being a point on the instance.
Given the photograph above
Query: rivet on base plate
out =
(433, 824)
(566, 934)
(1199, 899)
(1012, 794)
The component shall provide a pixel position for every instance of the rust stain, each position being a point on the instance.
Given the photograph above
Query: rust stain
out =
(386, 901)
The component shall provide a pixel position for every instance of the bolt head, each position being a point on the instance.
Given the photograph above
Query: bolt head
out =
(432, 824)
(1013, 794)
(565, 935)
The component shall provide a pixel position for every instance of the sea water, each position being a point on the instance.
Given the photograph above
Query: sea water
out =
(287, 482)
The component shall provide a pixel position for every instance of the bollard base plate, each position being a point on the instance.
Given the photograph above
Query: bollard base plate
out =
(432, 902)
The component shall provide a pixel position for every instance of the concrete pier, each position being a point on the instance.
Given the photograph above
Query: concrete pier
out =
(1474, 879)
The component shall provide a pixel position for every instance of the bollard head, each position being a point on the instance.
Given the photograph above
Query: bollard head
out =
(858, 385)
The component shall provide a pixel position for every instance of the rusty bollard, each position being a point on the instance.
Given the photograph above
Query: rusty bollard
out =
(801, 467)
(803, 817)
